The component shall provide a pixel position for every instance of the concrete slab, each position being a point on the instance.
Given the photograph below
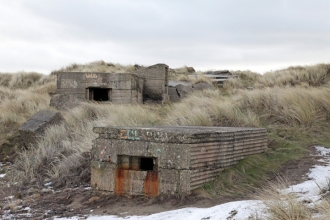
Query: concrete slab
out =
(35, 127)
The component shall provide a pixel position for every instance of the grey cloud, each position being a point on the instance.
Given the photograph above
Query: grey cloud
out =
(201, 33)
(113, 18)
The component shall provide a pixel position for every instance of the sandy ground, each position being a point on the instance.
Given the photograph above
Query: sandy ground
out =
(81, 201)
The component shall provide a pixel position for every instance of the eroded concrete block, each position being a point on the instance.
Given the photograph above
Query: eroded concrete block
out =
(64, 101)
(35, 127)
(173, 94)
(202, 86)
(170, 156)
(169, 181)
(103, 175)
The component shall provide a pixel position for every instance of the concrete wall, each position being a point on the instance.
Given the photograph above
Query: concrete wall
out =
(145, 84)
(125, 88)
(182, 158)
(155, 81)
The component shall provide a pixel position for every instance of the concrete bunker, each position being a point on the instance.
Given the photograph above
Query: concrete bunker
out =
(167, 160)
(99, 94)
(143, 85)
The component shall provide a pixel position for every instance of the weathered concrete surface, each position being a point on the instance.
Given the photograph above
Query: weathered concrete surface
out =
(35, 127)
(190, 69)
(173, 94)
(178, 89)
(155, 81)
(118, 88)
(183, 90)
(178, 159)
(202, 86)
(64, 101)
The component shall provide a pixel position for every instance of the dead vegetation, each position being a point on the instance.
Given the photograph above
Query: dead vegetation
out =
(287, 205)
(59, 155)
(21, 96)
(97, 66)
(293, 104)
(298, 76)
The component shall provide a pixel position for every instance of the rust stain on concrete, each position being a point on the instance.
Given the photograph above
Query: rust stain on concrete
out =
(151, 184)
(123, 134)
(121, 176)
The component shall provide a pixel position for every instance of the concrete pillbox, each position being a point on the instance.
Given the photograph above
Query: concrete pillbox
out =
(168, 160)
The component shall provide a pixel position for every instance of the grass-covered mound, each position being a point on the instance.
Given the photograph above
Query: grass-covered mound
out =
(293, 104)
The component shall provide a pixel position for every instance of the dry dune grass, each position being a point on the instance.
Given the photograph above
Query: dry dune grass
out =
(21, 96)
(210, 108)
(59, 154)
(287, 206)
(120, 115)
(182, 74)
(197, 78)
(323, 209)
(290, 106)
(245, 79)
(97, 66)
(283, 206)
(201, 79)
(24, 80)
(233, 84)
(20, 106)
(316, 75)
(79, 135)
(308, 76)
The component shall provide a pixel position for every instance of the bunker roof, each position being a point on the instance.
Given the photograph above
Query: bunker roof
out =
(178, 134)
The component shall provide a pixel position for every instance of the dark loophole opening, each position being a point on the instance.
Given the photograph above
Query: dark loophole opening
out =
(100, 94)
(146, 163)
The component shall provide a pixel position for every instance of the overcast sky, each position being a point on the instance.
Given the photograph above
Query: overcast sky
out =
(40, 35)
